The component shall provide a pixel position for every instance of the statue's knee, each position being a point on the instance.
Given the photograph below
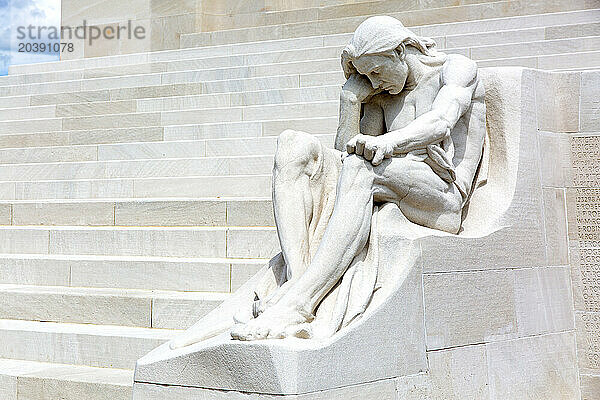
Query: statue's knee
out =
(295, 149)
(356, 172)
(354, 164)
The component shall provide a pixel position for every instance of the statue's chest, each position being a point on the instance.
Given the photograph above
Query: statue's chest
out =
(403, 108)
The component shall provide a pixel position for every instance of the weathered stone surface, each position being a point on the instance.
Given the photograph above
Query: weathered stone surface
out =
(134, 241)
(109, 307)
(453, 375)
(518, 368)
(50, 213)
(250, 213)
(590, 387)
(97, 345)
(590, 106)
(34, 270)
(6, 211)
(170, 213)
(499, 370)
(175, 310)
(557, 102)
(557, 251)
(572, 30)
(371, 391)
(475, 307)
(585, 161)
(588, 341)
(555, 159)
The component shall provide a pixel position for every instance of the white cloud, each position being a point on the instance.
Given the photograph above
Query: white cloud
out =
(25, 13)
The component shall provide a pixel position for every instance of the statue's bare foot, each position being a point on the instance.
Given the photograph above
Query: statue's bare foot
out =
(276, 322)
(261, 305)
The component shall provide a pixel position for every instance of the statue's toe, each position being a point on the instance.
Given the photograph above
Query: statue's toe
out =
(238, 332)
(249, 331)
(302, 331)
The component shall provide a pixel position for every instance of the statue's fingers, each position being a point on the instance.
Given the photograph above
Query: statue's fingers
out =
(368, 153)
(360, 147)
(350, 146)
(378, 158)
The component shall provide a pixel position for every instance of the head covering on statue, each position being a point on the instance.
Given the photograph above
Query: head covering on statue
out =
(379, 36)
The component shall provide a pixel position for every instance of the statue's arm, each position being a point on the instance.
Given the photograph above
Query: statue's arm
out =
(354, 92)
(459, 78)
(373, 120)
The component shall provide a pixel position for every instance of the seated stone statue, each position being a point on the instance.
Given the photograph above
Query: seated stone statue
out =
(412, 121)
(411, 132)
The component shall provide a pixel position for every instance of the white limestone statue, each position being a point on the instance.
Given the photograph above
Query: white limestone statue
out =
(411, 133)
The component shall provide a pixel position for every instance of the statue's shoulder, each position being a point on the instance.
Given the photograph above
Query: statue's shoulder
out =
(459, 70)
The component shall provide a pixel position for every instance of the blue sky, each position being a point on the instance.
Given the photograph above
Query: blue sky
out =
(15, 13)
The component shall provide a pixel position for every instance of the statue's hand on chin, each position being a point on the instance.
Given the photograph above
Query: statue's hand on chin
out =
(358, 88)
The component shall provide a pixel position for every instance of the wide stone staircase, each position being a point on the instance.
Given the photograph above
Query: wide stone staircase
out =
(135, 189)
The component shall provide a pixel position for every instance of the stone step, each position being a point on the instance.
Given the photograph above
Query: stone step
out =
(564, 31)
(237, 99)
(92, 136)
(273, 96)
(567, 61)
(208, 78)
(146, 150)
(587, 60)
(444, 11)
(183, 102)
(177, 167)
(252, 63)
(536, 20)
(229, 20)
(169, 187)
(544, 47)
(286, 75)
(246, 52)
(140, 212)
(229, 65)
(27, 112)
(127, 93)
(231, 242)
(129, 272)
(319, 125)
(54, 89)
(584, 69)
(88, 105)
(104, 346)
(167, 118)
(79, 96)
(62, 92)
(106, 306)
(15, 101)
(447, 18)
(34, 380)
(121, 59)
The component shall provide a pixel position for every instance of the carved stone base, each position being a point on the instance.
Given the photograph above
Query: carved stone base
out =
(368, 350)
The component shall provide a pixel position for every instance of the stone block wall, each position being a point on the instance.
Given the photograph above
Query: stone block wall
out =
(568, 113)
(503, 326)
(576, 133)
(163, 21)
